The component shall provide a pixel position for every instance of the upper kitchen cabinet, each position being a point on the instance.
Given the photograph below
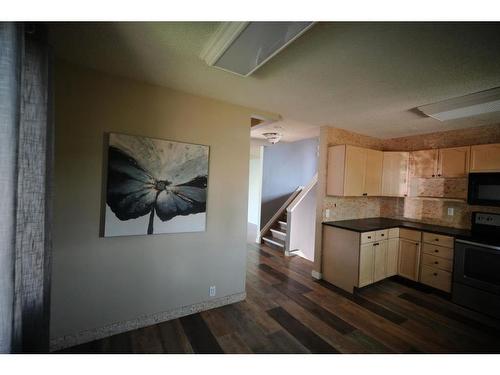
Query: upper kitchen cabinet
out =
(485, 158)
(443, 163)
(395, 174)
(373, 172)
(354, 171)
(423, 163)
(453, 162)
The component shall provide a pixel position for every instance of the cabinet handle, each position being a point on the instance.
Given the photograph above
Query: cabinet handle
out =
(433, 175)
(376, 244)
(435, 274)
(436, 262)
(436, 239)
(439, 175)
(365, 194)
(436, 251)
(369, 237)
(382, 235)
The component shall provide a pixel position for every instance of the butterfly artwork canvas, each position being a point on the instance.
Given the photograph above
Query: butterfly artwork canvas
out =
(155, 186)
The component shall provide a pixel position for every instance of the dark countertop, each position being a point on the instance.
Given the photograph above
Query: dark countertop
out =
(379, 223)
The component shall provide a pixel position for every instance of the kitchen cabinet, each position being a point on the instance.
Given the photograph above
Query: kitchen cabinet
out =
(395, 174)
(366, 262)
(437, 261)
(453, 162)
(423, 163)
(450, 162)
(409, 254)
(354, 171)
(373, 172)
(354, 176)
(485, 158)
(380, 260)
(354, 260)
(392, 256)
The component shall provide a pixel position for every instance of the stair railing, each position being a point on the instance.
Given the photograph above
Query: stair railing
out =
(278, 213)
(301, 222)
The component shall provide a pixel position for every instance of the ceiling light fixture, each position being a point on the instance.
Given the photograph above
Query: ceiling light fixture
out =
(273, 137)
(243, 47)
(487, 101)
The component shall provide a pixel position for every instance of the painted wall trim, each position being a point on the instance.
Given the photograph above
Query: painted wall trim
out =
(316, 275)
(67, 341)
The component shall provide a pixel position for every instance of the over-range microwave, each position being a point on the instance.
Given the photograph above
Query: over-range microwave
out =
(484, 189)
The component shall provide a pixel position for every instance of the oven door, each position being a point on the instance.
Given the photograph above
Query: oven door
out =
(484, 189)
(477, 265)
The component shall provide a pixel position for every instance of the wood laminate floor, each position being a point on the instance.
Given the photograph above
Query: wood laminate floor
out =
(286, 311)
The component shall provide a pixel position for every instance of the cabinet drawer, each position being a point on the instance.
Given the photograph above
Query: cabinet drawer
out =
(377, 235)
(436, 262)
(367, 237)
(438, 239)
(382, 234)
(439, 251)
(408, 234)
(436, 278)
(393, 233)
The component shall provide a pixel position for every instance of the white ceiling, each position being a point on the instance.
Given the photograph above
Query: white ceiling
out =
(290, 130)
(364, 77)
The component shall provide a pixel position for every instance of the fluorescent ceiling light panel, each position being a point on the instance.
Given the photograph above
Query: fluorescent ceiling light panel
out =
(243, 47)
(464, 106)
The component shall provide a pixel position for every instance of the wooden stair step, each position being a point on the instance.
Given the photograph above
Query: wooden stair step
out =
(276, 233)
(274, 241)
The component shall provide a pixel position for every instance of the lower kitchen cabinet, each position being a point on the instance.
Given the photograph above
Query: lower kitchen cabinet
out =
(372, 262)
(409, 259)
(380, 260)
(355, 260)
(392, 256)
(366, 262)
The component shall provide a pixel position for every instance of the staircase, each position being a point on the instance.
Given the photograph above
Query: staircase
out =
(277, 234)
(292, 228)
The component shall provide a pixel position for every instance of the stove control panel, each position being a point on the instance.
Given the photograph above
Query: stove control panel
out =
(481, 218)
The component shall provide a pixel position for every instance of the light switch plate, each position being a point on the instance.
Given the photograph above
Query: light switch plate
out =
(451, 211)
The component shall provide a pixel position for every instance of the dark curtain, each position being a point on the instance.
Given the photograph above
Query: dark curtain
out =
(26, 151)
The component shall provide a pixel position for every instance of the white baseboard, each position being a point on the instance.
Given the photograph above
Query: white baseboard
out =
(317, 275)
(67, 341)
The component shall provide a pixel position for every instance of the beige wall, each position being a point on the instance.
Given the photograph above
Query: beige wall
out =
(427, 210)
(100, 281)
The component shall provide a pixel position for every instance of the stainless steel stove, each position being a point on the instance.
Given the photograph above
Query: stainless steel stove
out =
(476, 270)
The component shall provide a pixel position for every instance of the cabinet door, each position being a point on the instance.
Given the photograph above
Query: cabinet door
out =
(366, 258)
(424, 163)
(409, 257)
(335, 170)
(485, 158)
(373, 172)
(354, 171)
(380, 260)
(392, 256)
(395, 174)
(453, 162)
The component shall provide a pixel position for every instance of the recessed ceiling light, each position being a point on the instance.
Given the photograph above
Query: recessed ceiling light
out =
(243, 47)
(464, 106)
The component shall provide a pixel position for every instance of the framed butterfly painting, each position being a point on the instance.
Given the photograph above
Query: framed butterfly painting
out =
(155, 186)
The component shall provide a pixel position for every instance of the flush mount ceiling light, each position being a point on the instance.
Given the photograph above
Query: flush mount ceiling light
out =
(464, 106)
(243, 47)
(272, 137)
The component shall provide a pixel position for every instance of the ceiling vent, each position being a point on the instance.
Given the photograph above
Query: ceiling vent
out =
(243, 47)
(464, 106)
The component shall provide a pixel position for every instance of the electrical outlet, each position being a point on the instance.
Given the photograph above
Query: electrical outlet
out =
(451, 211)
(211, 291)
(327, 212)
